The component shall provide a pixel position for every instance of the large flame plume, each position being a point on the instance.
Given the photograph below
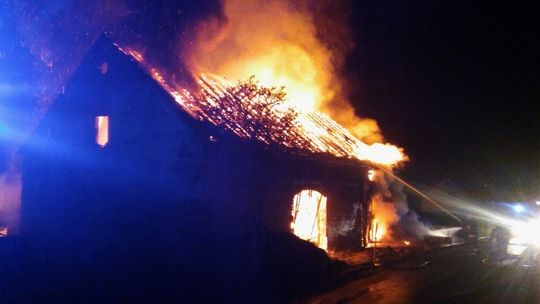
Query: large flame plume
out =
(271, 40)
(383, 213)
(384, 216)
(279, 42)
(219, 100)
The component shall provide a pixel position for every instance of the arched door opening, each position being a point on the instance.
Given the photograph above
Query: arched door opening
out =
(309, 217)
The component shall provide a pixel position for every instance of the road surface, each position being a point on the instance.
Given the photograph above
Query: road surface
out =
(452, 275)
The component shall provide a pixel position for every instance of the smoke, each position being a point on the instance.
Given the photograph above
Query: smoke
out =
(156, 28)
(389, 205)
(347, 224)
(283, 43)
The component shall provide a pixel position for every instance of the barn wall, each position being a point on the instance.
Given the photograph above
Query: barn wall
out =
(345, 186)
(159, 204)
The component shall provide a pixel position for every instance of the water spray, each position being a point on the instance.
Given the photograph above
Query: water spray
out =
(420, 193)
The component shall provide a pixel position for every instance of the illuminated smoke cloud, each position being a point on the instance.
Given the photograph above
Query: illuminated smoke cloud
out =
(283, 43)
(390, 207)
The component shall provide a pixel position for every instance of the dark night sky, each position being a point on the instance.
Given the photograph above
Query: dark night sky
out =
(457, 85)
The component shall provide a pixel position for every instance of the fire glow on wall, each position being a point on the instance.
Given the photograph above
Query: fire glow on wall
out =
(102, 130)
(309, 217)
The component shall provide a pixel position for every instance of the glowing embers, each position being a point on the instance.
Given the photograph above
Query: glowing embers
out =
(102, 130)
(309, 217)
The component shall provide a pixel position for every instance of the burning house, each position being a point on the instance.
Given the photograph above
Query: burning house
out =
(123, 184)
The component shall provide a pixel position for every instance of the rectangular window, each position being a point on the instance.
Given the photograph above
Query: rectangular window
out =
(102, 130)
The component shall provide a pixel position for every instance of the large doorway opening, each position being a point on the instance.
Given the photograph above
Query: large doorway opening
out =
(309, 217)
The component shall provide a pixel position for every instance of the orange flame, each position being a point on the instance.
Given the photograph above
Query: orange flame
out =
(378, 230)
(278, 43)
(309, 217)
(385, 216)
(272, 41)
(102, 130)
(314, 132)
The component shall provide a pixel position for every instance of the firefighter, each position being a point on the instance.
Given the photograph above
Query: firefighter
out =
(498, 242)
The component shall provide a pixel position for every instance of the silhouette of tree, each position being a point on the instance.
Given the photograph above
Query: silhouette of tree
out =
(252, 111)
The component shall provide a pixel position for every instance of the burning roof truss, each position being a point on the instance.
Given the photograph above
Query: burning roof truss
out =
(259, 113)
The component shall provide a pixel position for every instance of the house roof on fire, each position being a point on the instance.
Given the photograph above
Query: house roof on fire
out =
(220, 102)
(226, 104)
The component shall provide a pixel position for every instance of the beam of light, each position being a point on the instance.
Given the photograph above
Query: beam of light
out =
(474, 210)
(8, 132)
(3, 129)
(526, 232)
(524, 229)
(13, 131)
(421, 194)
(14, 117)
(519, 208)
